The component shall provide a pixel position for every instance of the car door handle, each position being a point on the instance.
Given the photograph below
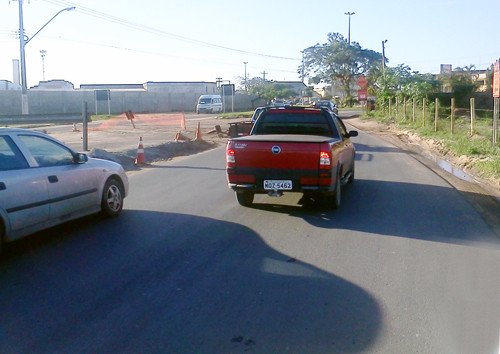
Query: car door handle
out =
(2, 186)
(53, 179)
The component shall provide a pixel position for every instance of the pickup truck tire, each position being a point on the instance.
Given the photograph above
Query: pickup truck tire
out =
(351, 176)
(244, 198)
(335, 200)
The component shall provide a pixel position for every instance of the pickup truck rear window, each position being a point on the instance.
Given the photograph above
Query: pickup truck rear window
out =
(295, 123)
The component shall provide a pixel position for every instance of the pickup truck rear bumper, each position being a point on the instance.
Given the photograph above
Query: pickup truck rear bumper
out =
(256, 189)
(302, 180)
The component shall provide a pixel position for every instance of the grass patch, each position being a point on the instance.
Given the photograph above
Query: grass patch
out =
(230, 115)
(98, 117)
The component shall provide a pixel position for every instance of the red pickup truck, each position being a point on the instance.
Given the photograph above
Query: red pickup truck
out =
(292, 149)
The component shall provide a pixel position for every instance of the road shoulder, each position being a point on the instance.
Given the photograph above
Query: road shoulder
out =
(482, 194)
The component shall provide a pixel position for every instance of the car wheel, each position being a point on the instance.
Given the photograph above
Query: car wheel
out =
(244, 198)
(336, 199)
(112, 198)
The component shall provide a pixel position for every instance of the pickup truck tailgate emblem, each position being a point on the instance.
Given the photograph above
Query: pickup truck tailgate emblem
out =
(276, 149)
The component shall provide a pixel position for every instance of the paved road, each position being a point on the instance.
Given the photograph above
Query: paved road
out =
(405, 266)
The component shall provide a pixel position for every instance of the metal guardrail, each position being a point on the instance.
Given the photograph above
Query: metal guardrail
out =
(54, 118)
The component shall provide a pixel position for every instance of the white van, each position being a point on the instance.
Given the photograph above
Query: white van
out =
(209, 104)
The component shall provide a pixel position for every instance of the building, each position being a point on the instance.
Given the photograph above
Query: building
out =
(200, 88)
(54, 85)
(9, 86)
(479, 77)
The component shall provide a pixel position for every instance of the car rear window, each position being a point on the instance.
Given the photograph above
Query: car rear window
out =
(295, 123)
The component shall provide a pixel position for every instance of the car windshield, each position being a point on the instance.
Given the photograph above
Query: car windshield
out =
(205, 100)
(296, 123)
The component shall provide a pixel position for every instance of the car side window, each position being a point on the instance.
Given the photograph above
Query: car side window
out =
(343, 129)
(46, 152)
(11, 157)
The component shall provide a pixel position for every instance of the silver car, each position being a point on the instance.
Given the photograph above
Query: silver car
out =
(44, 183)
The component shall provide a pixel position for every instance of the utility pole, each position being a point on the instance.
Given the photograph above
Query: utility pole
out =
(246, 86)
(383, 53)
(22, 43)
(383, 60)
(264, 75)
(43, 52)
(349, 33)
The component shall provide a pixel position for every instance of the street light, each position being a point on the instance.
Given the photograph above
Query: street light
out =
(23, 39)
(349, 33)
(246, 87)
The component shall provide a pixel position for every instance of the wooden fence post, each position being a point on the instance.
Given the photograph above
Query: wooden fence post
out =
(452, 114)
(413, 111)
(389, 108)
(404, 109)
(397, 108)
(436, 115)
(423, 111)
(472, 115)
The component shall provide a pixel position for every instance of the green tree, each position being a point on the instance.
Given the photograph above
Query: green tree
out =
(461, 83)
(401, 81)
(270, 90)
(338, 61)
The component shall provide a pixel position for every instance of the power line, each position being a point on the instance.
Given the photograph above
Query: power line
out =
(140, 27)
(198, 59)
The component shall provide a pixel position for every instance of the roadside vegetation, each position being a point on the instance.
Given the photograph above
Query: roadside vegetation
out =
(472, 147)
(98, 117)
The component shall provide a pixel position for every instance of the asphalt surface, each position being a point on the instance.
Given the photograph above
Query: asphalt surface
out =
(406, 265)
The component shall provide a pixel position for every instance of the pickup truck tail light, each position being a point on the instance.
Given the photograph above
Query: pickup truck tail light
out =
(230, 159)
(325, 161)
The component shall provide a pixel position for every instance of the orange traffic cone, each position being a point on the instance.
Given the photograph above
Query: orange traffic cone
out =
(180, 136)
(197, 136)
(140, 159)
(183, 122)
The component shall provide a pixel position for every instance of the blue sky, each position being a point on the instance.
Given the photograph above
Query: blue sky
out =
(120, 41)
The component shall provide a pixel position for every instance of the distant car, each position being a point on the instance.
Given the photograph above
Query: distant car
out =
(209, 104)
(44, 183)
(327, 104)
(279, 102)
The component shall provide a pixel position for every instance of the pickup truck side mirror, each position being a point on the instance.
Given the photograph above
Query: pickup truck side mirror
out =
(353, 133)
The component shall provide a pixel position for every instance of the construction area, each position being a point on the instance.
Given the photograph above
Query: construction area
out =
(164, 136)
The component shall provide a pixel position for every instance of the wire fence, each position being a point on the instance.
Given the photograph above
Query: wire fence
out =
(443, 119)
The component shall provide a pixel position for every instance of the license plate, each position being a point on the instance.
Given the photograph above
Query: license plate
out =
(273, 184)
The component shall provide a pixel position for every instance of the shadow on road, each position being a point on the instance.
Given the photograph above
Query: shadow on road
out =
(398, 209)
(160, 282)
